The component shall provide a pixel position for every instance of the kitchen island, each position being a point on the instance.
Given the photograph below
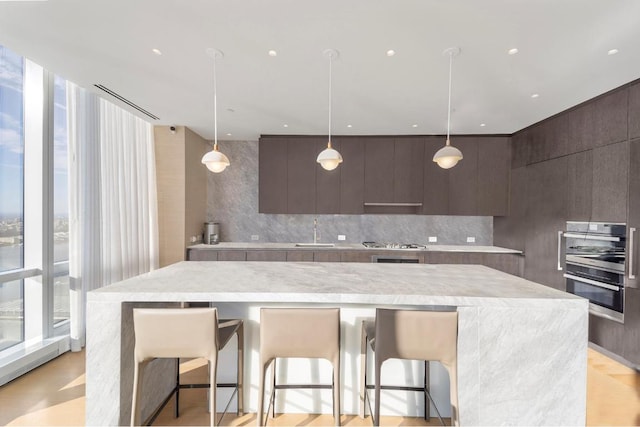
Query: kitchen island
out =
(522, 347)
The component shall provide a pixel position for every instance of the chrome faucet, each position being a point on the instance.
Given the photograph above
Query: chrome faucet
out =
(315, 230)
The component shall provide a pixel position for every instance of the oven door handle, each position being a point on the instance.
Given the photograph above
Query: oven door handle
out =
(586, 236)
(560, 249)
(632, 232)
(592, 282)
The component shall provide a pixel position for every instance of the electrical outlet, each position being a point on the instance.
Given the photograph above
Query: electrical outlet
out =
(471, 239)
(342, 237)
(433, 239)
(255, 237)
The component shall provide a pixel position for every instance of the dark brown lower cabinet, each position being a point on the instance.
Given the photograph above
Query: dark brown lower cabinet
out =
(508, 263)
(607, 334)
(631, 350)
(300, 256)
(202, 255)
(326, 256)
(266, 256)
(232, 255)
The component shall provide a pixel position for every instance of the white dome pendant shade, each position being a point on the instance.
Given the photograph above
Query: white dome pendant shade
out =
(329, 158)
(214, 160)
(448, 156)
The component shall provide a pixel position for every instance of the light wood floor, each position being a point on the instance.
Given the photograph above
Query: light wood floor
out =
(54, 395)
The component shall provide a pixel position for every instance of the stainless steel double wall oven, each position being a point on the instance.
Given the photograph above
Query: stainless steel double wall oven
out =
(595, 255)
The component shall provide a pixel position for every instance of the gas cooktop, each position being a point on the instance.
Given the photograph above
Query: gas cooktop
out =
(383, 245)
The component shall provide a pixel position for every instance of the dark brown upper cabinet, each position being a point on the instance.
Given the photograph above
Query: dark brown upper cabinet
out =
(634, 111)
(494, 166)
(327, 191)
(463, 178)
(579, 186)
(435, 199)
(301, 174)
(610, 180)
(351, 175)
(272, 175)
(393, 174)
(379, 170)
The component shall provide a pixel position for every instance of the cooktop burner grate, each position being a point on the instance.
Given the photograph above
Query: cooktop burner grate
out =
(384, 245)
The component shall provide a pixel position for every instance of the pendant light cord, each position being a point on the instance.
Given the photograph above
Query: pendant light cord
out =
(215, 106)
(330, 59)
(449, 109)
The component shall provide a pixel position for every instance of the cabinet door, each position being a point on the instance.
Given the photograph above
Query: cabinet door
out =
(632, 325)
(378, 170)
(610, 176)
(494, 166)
(300, 256)
(202, 255)
(352, 175)
(328, 182)
(546, 215)
(634, 111)
(357, 256)
(463, 178)
(435, 199)
(607, 333)
(301, 175)
(326, 256)
(510, 231)
(272, 173)
(408, 170)
(266, 255)
(633, 248)
(579, 186)
(232, 255)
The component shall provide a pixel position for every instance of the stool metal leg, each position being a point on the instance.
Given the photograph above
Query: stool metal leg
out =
(363, 370)
(239, 377)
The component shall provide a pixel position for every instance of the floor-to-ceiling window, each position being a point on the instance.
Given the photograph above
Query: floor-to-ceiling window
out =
(11, 196)
(34, 214)
(60, 204)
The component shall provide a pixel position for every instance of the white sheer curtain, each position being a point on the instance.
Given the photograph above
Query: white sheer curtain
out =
(113, 227)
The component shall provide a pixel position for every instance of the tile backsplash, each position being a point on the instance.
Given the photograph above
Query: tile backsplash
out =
(232, 200)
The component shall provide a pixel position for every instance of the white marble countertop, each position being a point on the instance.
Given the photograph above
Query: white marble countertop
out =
(335, 283)
(351, 246)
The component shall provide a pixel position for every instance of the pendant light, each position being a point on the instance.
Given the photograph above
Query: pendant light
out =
(329, 158)
(448, 156)
(215, 160)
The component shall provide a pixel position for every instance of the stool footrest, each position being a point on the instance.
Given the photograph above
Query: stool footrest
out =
(396, 387)
(314, 386)
(227, 385)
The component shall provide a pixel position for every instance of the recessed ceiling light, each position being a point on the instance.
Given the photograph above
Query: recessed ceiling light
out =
(535, 95)
(231, 110)
(482, 125)
(512, 51)
(273, 53)
(613, 52)
(349, 126)
(414, 126)
(285, 125)
(228, 134)
(156, 51)
(391, 52)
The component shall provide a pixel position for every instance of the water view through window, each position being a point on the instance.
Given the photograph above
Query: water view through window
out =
(11, 195)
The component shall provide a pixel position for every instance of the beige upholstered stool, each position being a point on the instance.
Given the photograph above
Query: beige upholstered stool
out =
(412, 335)
(299, 332)
(188, 333)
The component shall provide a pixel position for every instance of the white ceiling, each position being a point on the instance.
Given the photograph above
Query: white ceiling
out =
(562, 44)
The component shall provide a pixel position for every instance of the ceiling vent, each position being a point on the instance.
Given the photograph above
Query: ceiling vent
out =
(126, 101)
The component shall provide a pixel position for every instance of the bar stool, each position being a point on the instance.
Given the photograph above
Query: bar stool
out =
(188, 333)
(298, 332)
(411, 335)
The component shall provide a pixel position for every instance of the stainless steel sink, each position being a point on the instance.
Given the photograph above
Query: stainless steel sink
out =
(315, 245)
